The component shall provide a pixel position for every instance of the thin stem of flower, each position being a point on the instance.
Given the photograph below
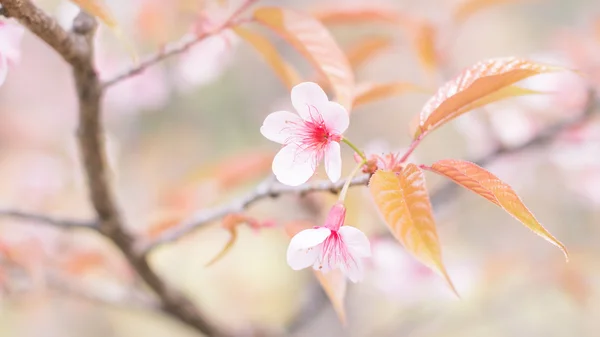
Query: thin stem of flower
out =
(411, 148)
(344, 191)
(355, 148)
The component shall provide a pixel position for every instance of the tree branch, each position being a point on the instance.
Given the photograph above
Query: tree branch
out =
(46, 219)
(180, 46)
(77, 49)
(270, 189)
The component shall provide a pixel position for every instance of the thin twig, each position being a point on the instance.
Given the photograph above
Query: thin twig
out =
(179, 47)
(265, 190)
(47, 219)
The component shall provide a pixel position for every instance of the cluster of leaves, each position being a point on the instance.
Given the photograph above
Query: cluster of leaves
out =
(399, 193)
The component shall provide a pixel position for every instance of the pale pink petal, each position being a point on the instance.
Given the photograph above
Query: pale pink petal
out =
(10, 41)
(304, 247)
(333, 161)
(293, 166)
(3, 69)
(279, 126)
(308, 98)
(357, 242)
(336, 117)
(354, 270)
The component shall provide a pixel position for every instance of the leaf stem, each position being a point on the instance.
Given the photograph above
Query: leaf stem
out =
(355, 148)
(411, 148)
(344, 191)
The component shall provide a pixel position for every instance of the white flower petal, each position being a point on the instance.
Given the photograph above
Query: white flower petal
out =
(309, 238)
(357, 242)
(333, 161)
(10, 40)
(307, 98)
(292, 166)
(336, 117)
(354, 271)
(305, 247)
(279, 126)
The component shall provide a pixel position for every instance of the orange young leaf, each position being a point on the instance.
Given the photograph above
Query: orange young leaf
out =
(423, 34)
(332, 282)
(341, 15)
(487, 185)
(482, 79)
(82, 262)
(369, 92)
(468, 8)
(365, 49)
(403, 201)
(284, 70)
(314, 41)
(504, 93)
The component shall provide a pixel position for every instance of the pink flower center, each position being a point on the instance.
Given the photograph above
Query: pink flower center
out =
(335, 252)
(313, 135)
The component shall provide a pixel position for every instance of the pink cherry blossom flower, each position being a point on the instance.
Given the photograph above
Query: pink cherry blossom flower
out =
(330, 247)
(308, 137)
(10, 41)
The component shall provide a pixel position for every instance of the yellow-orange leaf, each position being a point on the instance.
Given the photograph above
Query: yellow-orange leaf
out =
(365, 49)
(482, 79)
(487, 185)
(504, 93)
(341, 15)
(403, 201)
(314, 41)
(333, 282)
(284, 70)
(467, 8)
(370, 92)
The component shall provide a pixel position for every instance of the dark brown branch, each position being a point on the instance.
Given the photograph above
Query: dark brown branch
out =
(77, 49)
(47, 219)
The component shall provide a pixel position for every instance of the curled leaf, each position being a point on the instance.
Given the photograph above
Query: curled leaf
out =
(284, 70)
(487, 185)
(316, 44)
(230, 223)
(370, 92)
(403, 201)
(474, 83)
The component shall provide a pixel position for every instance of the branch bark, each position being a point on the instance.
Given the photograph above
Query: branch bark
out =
(76, 48)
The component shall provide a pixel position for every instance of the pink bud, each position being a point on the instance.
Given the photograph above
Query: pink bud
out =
(336, 217)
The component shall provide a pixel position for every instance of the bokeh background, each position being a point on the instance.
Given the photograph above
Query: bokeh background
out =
(184, 135)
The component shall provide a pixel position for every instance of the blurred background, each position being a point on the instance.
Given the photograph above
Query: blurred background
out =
(184, 135)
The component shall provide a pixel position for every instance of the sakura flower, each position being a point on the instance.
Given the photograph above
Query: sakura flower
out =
(309, 136)
(329, 247)
(10, 40)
